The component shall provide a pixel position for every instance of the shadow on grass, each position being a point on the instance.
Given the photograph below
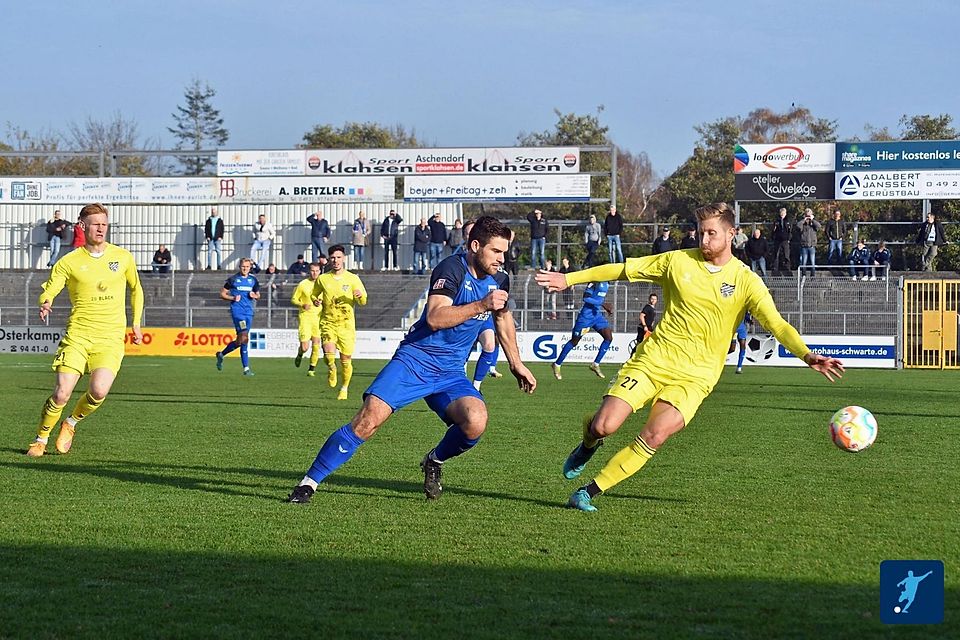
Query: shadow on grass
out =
(309, 592)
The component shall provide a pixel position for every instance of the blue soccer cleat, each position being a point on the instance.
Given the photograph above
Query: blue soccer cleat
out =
(577, 460)
(581, 500)
(219, 361)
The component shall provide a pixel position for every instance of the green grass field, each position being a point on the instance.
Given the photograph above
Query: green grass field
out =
(167, 519)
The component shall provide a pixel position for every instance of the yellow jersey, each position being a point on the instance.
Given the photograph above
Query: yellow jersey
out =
(98, 288)
(336, 293)
(302, 295)
(703, 306)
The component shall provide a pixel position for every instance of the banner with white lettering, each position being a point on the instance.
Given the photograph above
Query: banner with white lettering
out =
(903, 155)
(470, 160)
(526, 188)
(871, 352)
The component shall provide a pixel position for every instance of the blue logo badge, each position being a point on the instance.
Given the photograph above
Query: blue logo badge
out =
(911, 591)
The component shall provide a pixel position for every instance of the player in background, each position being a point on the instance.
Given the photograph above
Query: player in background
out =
(489, 348)
(428, 364)
(338, 291)
(308, 319)
(96, 276)
(741, 337)
(590, 317)
(240, 290)
(706, 292)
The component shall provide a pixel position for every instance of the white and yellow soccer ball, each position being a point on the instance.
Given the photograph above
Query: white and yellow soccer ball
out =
(853, 429)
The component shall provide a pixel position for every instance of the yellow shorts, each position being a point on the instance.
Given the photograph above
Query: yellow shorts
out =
(308, 327)
(637, 387)
(344, 338)
(82, 355)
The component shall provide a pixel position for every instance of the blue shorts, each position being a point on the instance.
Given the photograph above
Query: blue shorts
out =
(589, 318)
(487, 324)
(242, 323)
(742, 331)
(398, 384)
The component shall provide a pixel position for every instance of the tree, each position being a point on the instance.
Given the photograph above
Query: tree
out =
(636, 182)
(797, 124)
(116, 134)
(360, 135)
(927, 127)
(196, 125)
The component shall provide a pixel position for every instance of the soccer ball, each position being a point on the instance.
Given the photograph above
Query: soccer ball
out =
(853, 429)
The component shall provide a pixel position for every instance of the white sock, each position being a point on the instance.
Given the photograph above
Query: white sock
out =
(42, 440)
(71, 421)
(476, 384)
(310, 482)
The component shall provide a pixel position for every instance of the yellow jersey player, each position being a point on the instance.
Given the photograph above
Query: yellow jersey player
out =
(96, 275)
(707, 292)
(339, 292)
(308, 325)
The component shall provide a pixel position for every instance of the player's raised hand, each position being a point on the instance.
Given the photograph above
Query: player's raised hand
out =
(552, 280)
(495, 300)
(830, 368)
(525, 379)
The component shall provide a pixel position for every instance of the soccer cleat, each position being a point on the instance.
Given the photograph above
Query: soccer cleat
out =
(343, 394)
(556, 371)
(332, 377)
(36, 449)
(495, 374)
(312, 373)
(301, 494)
(596, 369)
(298, 359)
(431, 477)
(248, 372)
(581, 500)
(65, 437)
(578, 459)
(219, 361)
(739, 370)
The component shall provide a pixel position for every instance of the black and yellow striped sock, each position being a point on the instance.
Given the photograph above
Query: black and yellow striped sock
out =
(624, 464)
(85, 406)
(49, 417)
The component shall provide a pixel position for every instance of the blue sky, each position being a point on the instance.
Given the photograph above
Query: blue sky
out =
(478, 73)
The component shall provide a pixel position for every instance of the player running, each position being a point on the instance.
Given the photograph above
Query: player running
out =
(308, 319)
(489, 349)
(97, 276)
(339, 291)
(240, 290)
(590, 317)
(428, 364)
(676, 368)
(741, 337)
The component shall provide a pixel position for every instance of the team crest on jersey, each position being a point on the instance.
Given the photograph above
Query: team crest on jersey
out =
(468, 286)
(439, 283)
(726, 290)
(114, 266)
(345, 287)
(491, 287)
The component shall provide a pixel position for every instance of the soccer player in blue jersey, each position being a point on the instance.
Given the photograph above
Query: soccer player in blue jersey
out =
(590, 317)
(489, 349)
(741, 337)
(428, 364)
(240, 290)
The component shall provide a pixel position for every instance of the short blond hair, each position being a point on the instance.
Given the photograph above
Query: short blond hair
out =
(92, 210)
(717, 210)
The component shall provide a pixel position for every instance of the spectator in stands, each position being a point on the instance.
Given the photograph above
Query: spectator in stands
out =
(538, 238)
(455, 241)
(757, 252)
(931, 238)
(739, 244)
(421, 245)
(390, 234)
(300, 267)
(274, 282)
(689, 241)
(648, 318)
(512, 257)
(591, 241)
(79, 236)
(438, 238)
(361, 231)
(213, 235)
(551, 298)
(836, 233)
(781, 233)
(859, 259)
(319, 235)
(568, 292)
(55, 229)
(881, 261)
(663, 243)
(808, 228)
(263, 235)
(612, 228)
(161, 260)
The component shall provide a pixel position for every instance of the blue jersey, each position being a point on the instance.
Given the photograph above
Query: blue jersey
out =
(447, 349)
(242, 286)
(594, 294)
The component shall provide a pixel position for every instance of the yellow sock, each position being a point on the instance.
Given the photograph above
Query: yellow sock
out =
(331, 360)
(589, 440)
(85, 406)
(314, 356)
(347, 372)
(624, 464)
(49, 418)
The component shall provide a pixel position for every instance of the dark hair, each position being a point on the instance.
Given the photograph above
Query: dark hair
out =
(487, 227)
(337, 247)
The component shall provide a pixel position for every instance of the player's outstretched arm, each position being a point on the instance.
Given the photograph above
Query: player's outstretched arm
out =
(555, 281)
(506, 332)
(830, 368)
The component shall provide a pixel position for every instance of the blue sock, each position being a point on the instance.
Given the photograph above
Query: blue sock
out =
(230, 347)
(483, 366)
(453, 443)
(567, 348)
(494, 356)
(244, 356)
(338, 448)
(742, 353)
(602, 352)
